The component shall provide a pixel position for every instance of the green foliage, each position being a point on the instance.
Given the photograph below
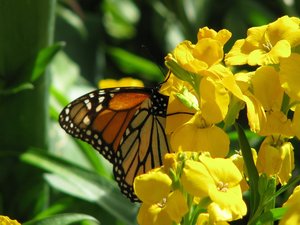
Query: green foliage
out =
(81, 183)
(103, 39)
(63, 219)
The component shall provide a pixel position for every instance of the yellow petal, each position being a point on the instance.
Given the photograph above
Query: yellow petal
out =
(184, 53)
(176, 206)
(230, 83)
(255, 112)
(178, 114)
(292, 216)
(209, 51)
(153, 214)
(238, 55)
(276, 158)
(153, 186)
(227, 206)
(195, 179)
(192, 137)
(269, 158)
(289, 75)
(124, 82)
(221, 36)
(277, 123)
(214, 100)
(257, 57)
(5, 220)
(222, 170)
(267, 88)
(287, 154)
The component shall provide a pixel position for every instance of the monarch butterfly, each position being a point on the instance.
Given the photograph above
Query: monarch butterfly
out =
(126, 125)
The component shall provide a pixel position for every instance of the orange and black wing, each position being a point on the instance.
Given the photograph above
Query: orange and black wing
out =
(101, 117)
(126, 125)
(143, 144)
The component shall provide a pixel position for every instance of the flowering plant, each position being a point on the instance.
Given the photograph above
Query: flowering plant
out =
(203, 182)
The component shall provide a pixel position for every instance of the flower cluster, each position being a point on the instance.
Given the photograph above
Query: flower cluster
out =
(207, 90)
(190, 188)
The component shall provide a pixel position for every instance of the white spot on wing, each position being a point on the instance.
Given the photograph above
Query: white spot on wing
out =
(101, 98)
(86, 120)
(88, 104)
(67, 111)
(98, 108)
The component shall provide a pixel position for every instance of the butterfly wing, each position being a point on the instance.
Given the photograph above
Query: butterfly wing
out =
(126, 125)
(143, 145)
(101, 117)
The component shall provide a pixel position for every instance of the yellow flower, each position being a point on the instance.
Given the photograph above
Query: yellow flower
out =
(276, 158)
(277, 123)
(150, 214)
(160, 204)
(289, 76)
(196, 179)
(153, 186)
(204, 219)
(209, 85)
(196, 135)
(226, 195)
(266, 44)
(176, 206)
(214, 100)
(5, 220)
(221, 36)
(267, 89)
(123, 82)
(255, 111)
(292, 216)
(187, 56)
(219, 180)
(206, 52)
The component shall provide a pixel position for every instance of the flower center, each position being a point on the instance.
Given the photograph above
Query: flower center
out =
(162, 203)
(267, 46)
(223, 187)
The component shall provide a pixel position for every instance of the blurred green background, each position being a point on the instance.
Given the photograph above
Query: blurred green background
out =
(43, 171)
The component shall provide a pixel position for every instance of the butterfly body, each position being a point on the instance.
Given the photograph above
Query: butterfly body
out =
(126, 125)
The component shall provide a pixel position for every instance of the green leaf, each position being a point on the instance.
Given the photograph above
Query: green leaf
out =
(82, 183)
(56, 207)
(250, 167)
(73, 20)
(63, 219)
(43, 59)
(132, 64)
(35, 68)
(272, 215)
(120, 18)
(188, 99)
(18, 88)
